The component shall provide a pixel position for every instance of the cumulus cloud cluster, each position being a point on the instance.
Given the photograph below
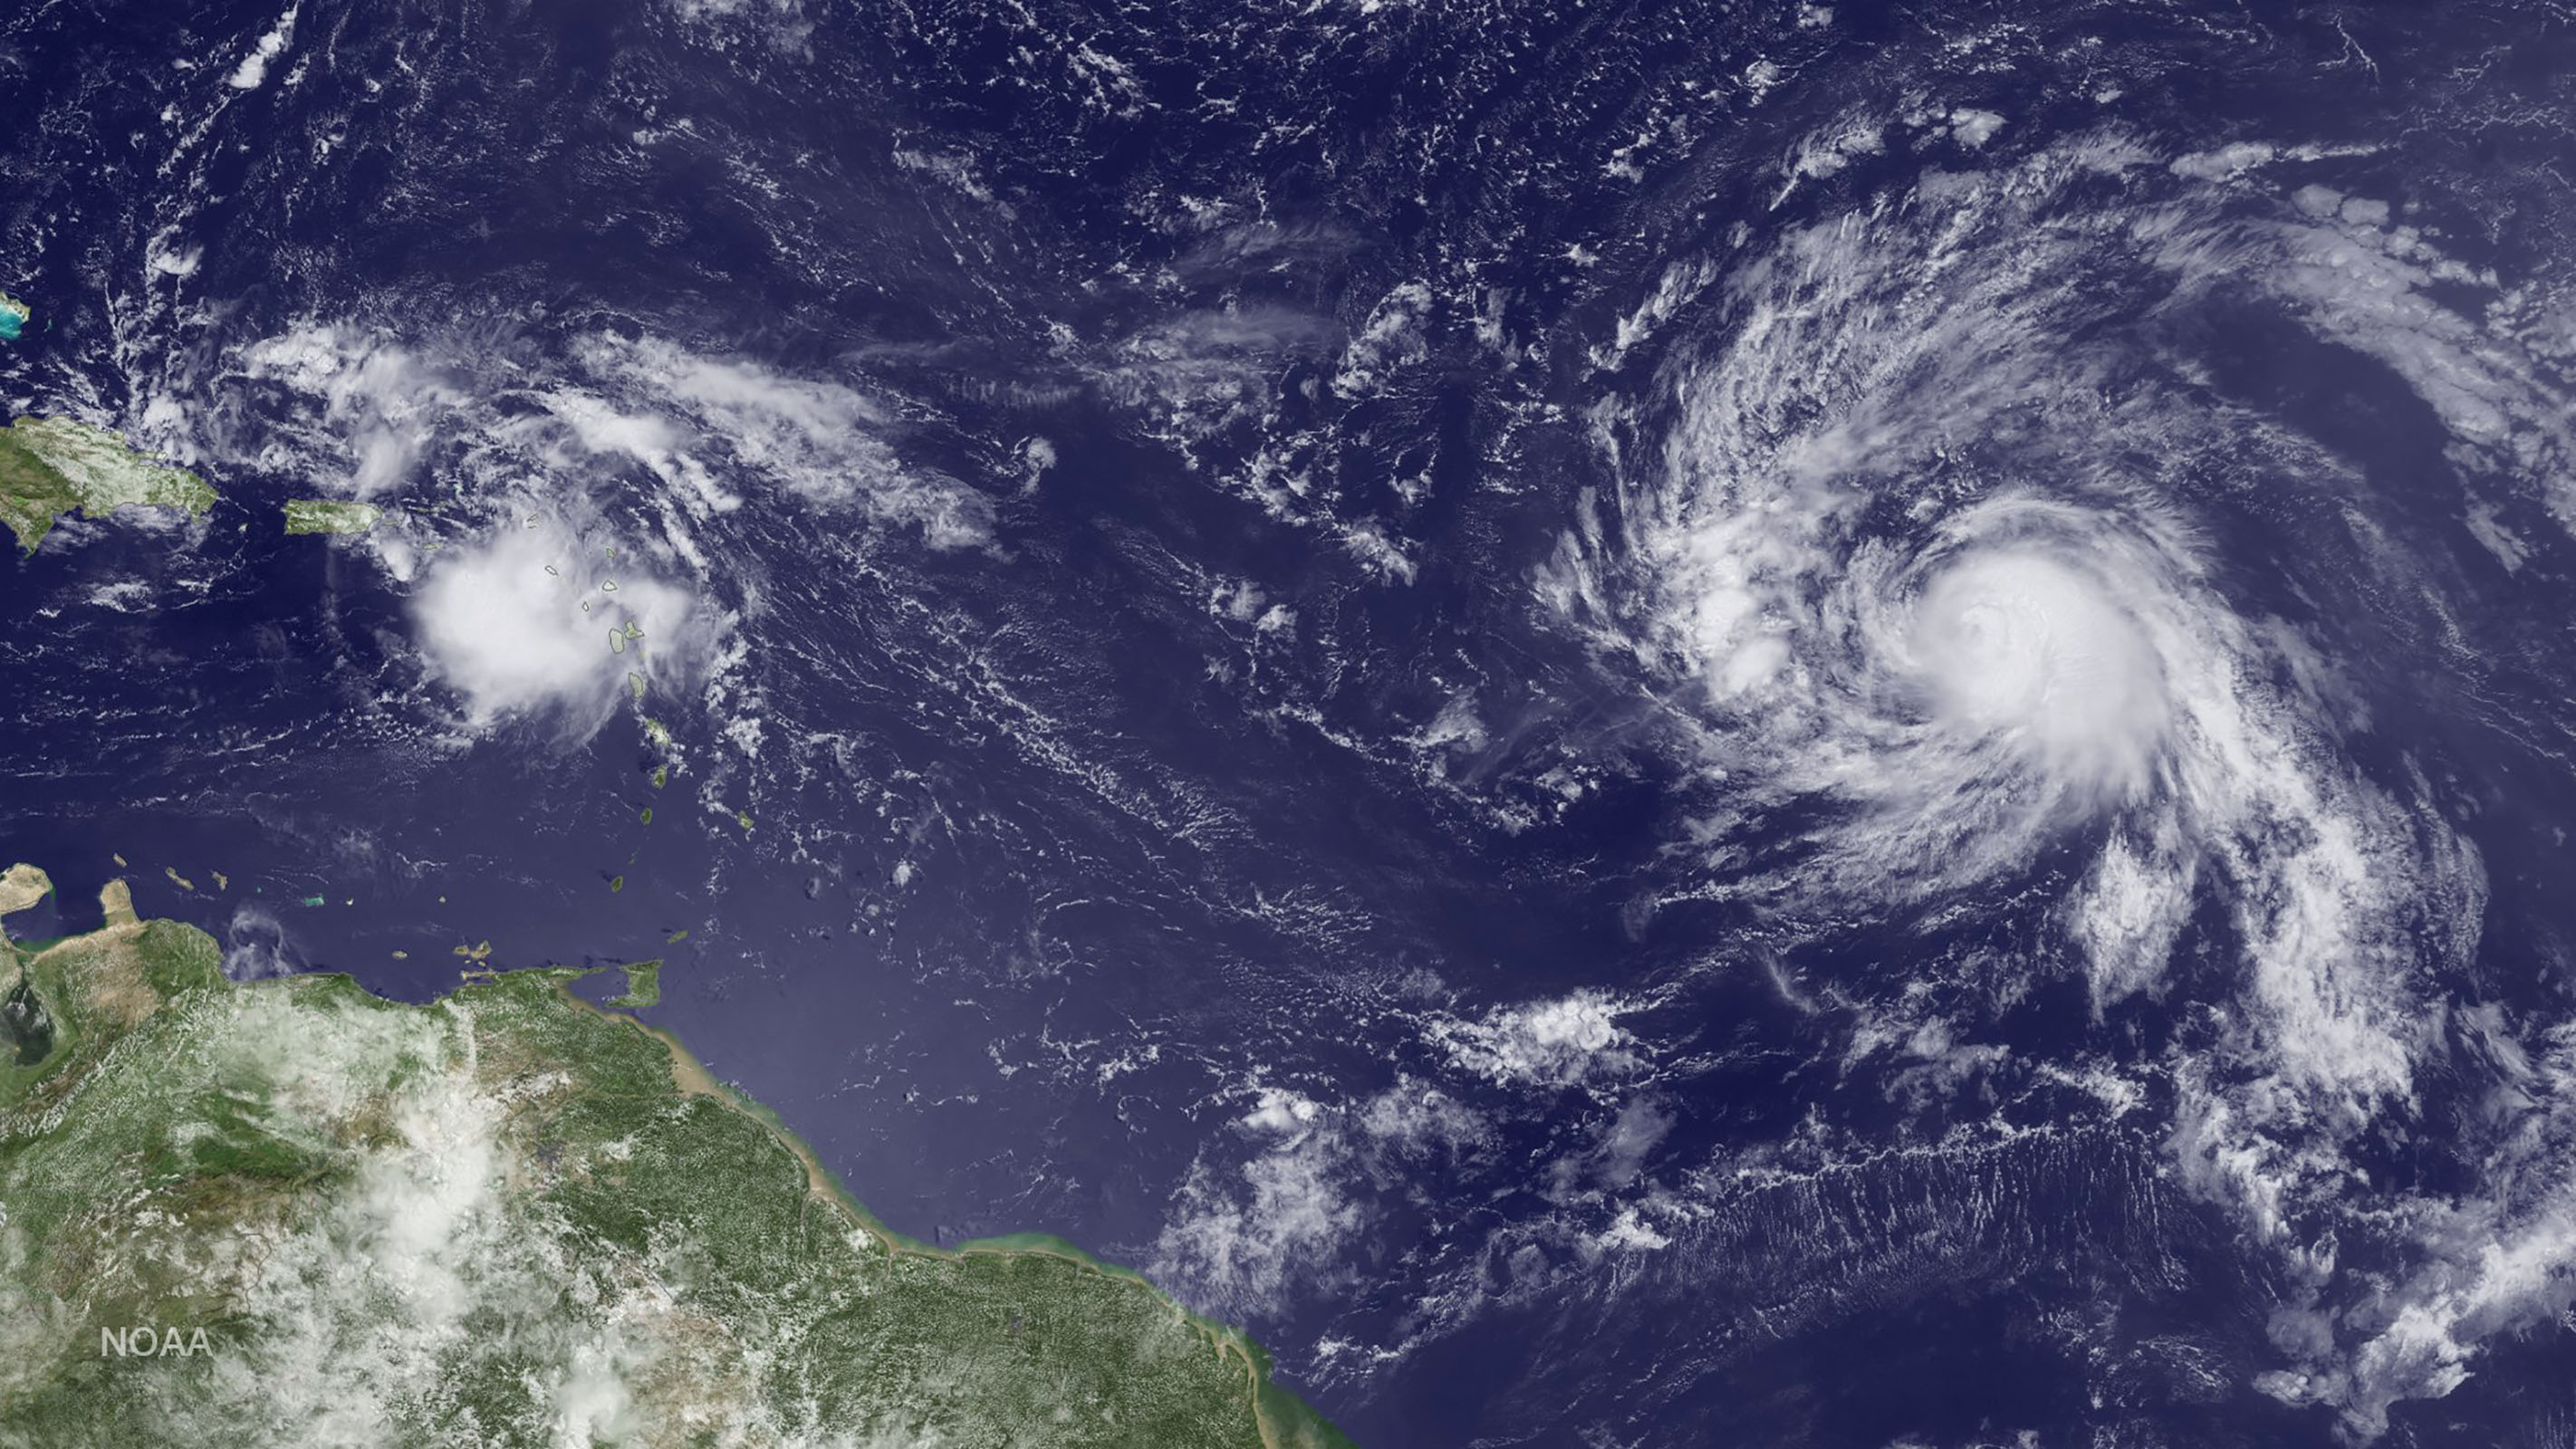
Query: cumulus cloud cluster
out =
(362, 406)
(1272, 1211)
(523, 603)
(360, 410)
(1565, 1042)
(535, 618)
(687, 416)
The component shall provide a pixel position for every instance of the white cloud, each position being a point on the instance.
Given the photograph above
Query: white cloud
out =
(1390, 341)
(819, 440)
(253, 69)
(1203, 370)
(256, 945)
(781, 23)
(380, 404)
(2226, 163)
(1239, 1242)
(1974, 128)
(1272, 1207)
(1560, 1043)
(363, 411)
(537, 619)
(1970, 652)
(1631, 1232)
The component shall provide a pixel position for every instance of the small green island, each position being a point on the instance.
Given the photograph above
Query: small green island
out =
(330, 515)
(643, 986)
(53, 467)
(287, 1212)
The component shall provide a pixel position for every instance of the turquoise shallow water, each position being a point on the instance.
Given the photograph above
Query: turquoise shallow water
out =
(13, 320)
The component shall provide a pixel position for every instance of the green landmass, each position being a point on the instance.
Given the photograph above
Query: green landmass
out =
(330, 515)
(52, 467)
(506, 1217)
(643, 986)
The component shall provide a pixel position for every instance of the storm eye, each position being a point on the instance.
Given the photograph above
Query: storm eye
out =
(2025, 650)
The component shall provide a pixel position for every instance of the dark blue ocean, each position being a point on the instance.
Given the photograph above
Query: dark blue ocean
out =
(1643, 725)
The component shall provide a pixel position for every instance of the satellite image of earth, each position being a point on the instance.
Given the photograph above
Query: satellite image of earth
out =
(1515, 722)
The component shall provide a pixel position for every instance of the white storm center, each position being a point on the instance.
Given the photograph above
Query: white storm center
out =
(2033, 652)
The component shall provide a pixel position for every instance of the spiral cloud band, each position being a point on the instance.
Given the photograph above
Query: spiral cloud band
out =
(1930, 591)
